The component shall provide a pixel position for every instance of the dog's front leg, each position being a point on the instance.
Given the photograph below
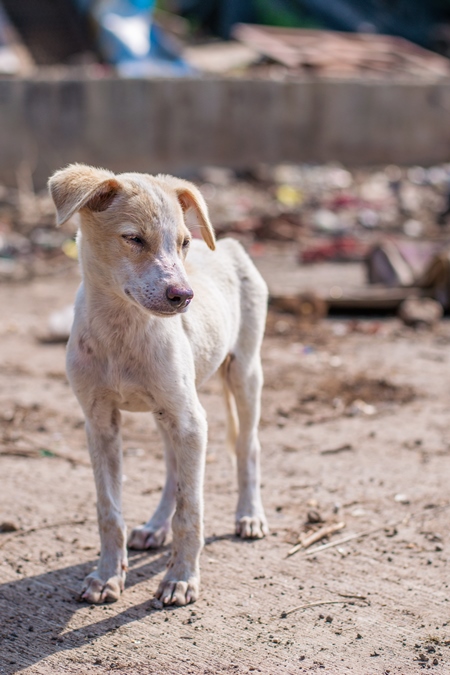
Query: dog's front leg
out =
(107, 581)
(188, 432)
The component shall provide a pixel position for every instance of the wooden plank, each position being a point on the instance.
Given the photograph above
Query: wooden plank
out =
(296, 48)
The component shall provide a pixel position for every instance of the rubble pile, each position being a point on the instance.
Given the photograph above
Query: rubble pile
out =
(327, 212)
(300, 203)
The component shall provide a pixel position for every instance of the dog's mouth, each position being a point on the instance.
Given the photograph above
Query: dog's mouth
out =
(159, 310)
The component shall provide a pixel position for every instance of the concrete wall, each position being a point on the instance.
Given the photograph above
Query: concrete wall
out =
(173, 125)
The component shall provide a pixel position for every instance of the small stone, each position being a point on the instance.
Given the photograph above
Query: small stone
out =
(413, 228)
(418, 312)
(314, 517)
(8, 526)
(329, 619)
(156, 604)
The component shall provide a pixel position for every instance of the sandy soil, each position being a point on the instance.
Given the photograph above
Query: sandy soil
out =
(355, 429)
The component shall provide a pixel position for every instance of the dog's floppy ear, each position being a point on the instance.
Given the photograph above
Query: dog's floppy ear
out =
(78, 186)
(190, 197)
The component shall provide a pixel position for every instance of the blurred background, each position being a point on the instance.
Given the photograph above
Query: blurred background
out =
(319, 132)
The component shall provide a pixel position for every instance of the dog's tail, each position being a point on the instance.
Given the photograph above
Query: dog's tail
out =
(231, 411)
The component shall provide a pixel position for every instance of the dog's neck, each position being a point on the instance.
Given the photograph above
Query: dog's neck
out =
(112, 317)
(113, 320)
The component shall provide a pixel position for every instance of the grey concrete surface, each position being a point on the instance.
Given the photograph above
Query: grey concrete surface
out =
(178, 125)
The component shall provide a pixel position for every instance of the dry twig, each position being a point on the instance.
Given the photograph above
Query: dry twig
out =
(311, 539)
(351, 537)
(367, 533)
(336, 451)
(319, 603)
(37, 451)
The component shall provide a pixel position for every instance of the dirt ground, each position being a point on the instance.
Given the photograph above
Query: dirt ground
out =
(355, 429)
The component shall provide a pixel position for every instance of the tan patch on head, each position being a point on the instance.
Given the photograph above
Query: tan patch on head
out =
(72, 187)
(104, 196)
(189, 196)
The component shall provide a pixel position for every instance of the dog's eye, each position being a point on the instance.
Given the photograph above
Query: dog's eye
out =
(186, 243)
(133, 239)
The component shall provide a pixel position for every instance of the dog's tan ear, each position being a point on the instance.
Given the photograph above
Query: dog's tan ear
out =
(80, 186)
(190, 197)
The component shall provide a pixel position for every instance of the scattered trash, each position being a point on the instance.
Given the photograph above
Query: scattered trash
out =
(402, 499)
(284, 227)
(387, 265)
(420, 312)
(327, 220)
(220, 57)
(340, 249)
(69, 247)
(359, 407)
(413, 228)
(289, 196)
(130, 39)
(59, 326)
(306, 306)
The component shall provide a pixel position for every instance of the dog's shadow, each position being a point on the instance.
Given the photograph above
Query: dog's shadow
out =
(35, 611)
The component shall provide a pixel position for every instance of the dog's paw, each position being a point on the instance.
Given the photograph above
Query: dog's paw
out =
(173, 592)
(97, 591)
(144, 537)
(252, 527)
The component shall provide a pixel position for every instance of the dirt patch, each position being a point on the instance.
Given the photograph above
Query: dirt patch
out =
(360, 387)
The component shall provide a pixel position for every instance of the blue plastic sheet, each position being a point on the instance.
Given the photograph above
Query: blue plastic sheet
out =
(130, 40)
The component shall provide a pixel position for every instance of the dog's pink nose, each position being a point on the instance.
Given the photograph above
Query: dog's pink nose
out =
(179, 297)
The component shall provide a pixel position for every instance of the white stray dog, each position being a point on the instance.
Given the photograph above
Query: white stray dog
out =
(134, 346)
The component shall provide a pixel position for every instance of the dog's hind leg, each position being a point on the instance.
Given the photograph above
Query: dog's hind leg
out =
(232, 420)
(245, 381)
(154, 532)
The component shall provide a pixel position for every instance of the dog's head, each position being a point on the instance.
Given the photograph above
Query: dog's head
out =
(134, 237)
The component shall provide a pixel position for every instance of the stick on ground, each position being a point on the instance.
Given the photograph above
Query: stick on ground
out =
(336, 451)
(313, 604)
(311, 539)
